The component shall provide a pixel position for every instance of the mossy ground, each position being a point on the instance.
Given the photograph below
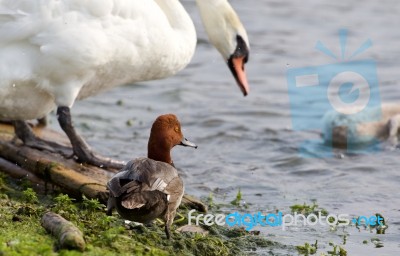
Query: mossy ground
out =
(22, 234)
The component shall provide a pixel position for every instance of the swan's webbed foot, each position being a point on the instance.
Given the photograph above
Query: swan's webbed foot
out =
(86, 155)
(81, 149)
(24, 132)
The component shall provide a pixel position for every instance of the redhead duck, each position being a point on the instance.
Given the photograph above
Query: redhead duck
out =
(369, 126)
(55, 53)
(149, 188)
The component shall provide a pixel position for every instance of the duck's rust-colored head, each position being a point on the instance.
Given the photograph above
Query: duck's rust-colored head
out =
(165, 134)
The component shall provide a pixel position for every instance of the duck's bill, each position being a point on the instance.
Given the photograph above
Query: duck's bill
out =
(236, 65)
(187, 143)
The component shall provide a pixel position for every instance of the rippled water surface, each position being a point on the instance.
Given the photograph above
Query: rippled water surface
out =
(249, 143)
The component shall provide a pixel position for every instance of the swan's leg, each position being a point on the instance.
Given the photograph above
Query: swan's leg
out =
(393, 127)
(81, 149)
(24, 132)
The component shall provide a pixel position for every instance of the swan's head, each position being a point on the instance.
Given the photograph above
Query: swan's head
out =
(228, 35)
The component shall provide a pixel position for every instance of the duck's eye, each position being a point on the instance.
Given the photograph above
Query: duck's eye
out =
(177, 129)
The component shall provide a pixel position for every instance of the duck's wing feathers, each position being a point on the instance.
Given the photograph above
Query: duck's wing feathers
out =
(134, 201)
(142, 174)
(145, 199)
(153, 173)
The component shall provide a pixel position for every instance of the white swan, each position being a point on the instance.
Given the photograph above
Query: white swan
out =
(53, 52)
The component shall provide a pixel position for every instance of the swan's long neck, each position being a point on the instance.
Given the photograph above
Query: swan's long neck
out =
(228, 36)
(182, 24)
(222, 25)
(166, 45)
(176, 14)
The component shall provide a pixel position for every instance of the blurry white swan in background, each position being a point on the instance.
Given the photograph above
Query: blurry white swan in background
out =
(53, 52)
(341, 130)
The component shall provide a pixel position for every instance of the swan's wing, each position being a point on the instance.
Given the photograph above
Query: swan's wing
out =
(74, 49)
(83, 34)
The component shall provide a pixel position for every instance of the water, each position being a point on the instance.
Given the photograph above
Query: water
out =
(249, 143)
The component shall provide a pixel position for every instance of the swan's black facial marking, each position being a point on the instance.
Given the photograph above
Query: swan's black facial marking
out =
(236, 63)
(241, 49)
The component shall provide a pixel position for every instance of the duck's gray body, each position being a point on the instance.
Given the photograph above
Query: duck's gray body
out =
(146, 189)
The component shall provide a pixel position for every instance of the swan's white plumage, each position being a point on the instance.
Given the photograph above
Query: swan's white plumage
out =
(52, 52)
(222, 14)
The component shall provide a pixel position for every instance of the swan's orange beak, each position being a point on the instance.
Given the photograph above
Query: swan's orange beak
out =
(236, 65)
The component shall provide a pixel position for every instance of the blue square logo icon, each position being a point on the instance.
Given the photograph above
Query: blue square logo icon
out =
(347, 90)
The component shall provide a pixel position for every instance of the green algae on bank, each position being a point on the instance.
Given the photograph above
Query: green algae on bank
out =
(306, 209)
(22, 234)
(307, 249)
(311, 249)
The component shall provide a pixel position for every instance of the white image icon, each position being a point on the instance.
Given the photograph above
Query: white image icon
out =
(358, 83)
